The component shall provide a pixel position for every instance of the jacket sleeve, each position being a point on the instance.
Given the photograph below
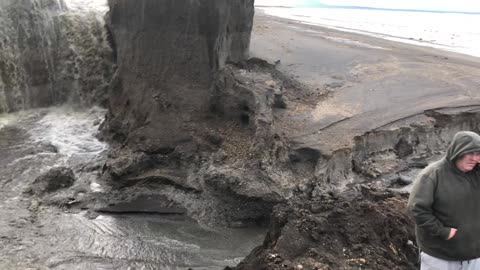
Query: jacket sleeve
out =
(420, 207)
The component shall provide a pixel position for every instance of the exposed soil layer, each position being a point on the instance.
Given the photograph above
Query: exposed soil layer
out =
(370, 231)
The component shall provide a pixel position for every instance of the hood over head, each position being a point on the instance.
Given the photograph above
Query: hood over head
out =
(462, 143)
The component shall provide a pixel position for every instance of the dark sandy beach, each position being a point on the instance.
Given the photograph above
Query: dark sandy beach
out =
(365, 83)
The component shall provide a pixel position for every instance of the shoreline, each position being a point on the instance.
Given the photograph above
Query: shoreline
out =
(385, 35)
(366, 83)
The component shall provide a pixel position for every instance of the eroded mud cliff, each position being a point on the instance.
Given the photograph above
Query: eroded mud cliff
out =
(216, 135)
(183, 117)
(169, 54)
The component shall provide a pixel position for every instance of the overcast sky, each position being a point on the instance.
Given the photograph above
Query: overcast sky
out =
(440, 5)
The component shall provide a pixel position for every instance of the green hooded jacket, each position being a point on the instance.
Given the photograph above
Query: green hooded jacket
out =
(445, 197)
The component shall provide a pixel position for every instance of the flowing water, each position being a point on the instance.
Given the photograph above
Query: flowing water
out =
(51, 54)
(36, 236)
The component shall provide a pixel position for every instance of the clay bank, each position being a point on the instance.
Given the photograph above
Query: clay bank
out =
(197, 134)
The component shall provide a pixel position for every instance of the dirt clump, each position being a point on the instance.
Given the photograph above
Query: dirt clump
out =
(371, 231)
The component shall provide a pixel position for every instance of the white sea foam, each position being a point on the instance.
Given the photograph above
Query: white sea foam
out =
(455, 32)
(71, 132)
(87, 5)
(5, 119)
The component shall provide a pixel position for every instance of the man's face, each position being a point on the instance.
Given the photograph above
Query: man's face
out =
(468, 161)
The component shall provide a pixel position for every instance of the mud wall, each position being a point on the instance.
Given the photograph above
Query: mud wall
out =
(385, 154)
(168, 54)
(182, 119)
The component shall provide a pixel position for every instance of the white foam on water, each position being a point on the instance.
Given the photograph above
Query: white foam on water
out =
(100, 6)
(96, 187)
(71, 132)
(6, 119)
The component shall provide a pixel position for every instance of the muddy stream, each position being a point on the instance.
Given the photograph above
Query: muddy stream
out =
(34, 235)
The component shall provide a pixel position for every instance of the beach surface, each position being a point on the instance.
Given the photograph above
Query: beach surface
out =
(361, 83)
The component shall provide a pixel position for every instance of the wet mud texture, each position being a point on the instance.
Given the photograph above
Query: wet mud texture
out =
(371, 231)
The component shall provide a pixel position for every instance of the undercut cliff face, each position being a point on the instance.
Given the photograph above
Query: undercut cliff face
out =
(183, 116)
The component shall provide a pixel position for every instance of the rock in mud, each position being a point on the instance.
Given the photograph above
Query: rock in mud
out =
(126, 162)
(53, 180)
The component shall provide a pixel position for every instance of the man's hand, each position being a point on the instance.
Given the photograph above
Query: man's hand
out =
(453, 231)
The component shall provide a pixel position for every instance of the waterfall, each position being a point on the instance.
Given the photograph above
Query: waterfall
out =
(53, 52)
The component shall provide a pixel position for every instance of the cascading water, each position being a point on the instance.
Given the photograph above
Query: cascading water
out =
(54, 52)
(51, 54)
(83, 6)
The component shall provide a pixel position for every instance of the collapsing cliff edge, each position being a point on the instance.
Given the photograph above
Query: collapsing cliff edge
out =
(206, 131)
(183, 118)
(200, 123)
(203, 125)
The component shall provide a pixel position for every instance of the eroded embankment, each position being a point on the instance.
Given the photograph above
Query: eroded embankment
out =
(243, 161)
(362, 223)
(346, 211)
(394, 151)
(194, 135)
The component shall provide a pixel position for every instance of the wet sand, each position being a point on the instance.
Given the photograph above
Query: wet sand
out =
(363, 83)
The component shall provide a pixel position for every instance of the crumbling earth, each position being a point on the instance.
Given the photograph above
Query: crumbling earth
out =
(369, 231)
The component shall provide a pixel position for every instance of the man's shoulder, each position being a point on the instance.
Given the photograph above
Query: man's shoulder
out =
(433, 169)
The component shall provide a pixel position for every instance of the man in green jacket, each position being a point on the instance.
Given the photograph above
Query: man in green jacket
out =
(445, 203)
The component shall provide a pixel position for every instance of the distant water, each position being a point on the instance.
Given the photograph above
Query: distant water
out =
(87, 5)
(457, 32)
